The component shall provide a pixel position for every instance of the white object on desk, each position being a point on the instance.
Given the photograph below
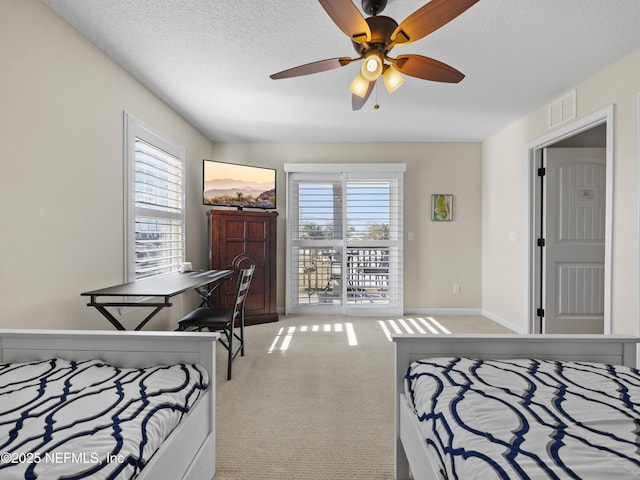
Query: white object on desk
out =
(185, 267)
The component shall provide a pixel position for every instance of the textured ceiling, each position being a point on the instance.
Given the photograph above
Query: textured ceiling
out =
(211, 60)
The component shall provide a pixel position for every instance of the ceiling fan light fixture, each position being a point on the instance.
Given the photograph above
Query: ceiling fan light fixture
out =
(392, 79)
(372, 66)
(374, 37)
(359, 86)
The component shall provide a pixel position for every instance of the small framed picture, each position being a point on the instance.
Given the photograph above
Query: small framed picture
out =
(441, 207)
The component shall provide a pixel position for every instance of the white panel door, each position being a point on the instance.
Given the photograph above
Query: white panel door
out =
(575, 215)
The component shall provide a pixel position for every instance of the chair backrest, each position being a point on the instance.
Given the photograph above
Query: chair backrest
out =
(242, 290)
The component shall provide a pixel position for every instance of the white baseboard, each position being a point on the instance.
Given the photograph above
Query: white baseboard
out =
(467, 311)
(443, 311)
(511, 326)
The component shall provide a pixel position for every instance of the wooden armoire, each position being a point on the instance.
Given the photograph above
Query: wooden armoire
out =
(234, 234)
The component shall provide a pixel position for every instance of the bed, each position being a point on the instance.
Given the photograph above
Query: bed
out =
(418, 443)
(188, 452)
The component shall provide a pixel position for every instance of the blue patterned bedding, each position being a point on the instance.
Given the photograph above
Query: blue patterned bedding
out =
(75, 420)
(528, 419)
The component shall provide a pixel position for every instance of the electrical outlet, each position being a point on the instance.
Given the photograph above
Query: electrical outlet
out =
(456, 288)
(410, 236)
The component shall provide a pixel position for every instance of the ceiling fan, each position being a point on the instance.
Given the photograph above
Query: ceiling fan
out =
(375, 36)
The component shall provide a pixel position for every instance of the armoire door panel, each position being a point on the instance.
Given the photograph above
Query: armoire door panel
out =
(256, 250)
(233, 250)
(237, 234)
(234, 230)
(256, 230)
(255, 303)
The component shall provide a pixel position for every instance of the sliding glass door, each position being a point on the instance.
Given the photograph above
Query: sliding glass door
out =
(344, 239)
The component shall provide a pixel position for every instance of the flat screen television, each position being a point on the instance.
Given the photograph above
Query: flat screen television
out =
(241, 186)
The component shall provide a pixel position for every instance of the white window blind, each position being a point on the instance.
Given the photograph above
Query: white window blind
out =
(155, 219)
(345, 239)
(372, 207)
(374, 234)
(318, 203)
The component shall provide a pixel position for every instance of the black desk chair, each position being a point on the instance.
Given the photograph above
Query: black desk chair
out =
(224, 319)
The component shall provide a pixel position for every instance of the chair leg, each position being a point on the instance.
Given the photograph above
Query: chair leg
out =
(230, 358)
(242, 338)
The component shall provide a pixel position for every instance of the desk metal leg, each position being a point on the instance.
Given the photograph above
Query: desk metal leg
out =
(107, 314)
(114, 321)
(206, 292)
(149, 317)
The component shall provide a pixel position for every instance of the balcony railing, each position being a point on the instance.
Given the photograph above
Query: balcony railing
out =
(320, 279)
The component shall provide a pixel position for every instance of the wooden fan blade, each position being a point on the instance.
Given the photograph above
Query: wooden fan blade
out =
(427, 69)
(358, 102)
(313, 67)
(428, 19)
(348, 19)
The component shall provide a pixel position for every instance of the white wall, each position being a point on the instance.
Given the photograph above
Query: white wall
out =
(442, 253)
(61, 179)
(503, 263)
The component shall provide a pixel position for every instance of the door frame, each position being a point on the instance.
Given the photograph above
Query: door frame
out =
(533, 156)
(638, 214)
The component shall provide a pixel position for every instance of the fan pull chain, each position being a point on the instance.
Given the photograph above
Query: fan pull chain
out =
(376, 106)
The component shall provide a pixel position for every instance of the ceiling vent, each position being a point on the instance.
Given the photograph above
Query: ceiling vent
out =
(563, 109)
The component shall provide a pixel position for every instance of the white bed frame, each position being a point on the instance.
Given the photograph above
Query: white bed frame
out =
(411, 450)
(189, 453)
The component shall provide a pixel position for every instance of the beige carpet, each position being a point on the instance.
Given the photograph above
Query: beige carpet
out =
(313, 397)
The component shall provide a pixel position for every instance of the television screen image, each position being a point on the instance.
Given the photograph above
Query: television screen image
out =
(233, 185)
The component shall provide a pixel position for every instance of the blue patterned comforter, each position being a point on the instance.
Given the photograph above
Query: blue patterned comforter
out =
(75, 420)
(528, 419)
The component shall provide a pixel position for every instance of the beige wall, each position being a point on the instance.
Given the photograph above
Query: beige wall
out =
(442, 253)
(61, 180)
(61, 186)
(504, 263)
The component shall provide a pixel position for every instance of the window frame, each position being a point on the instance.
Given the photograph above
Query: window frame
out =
(134, 129)
(342, 175)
